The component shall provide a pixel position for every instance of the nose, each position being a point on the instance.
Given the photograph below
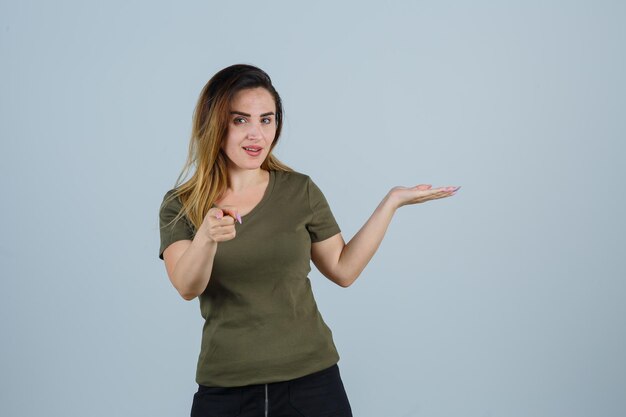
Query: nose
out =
(254, 131)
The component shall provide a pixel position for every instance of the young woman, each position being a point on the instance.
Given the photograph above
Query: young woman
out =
(240, 235)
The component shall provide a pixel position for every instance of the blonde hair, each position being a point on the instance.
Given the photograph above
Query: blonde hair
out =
(209, 129)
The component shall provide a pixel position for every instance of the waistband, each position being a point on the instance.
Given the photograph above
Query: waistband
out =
(330, 369)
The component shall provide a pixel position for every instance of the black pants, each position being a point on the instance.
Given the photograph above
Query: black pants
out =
(320, 394)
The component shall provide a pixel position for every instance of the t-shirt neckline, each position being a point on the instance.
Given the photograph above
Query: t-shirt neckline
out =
(266, 196)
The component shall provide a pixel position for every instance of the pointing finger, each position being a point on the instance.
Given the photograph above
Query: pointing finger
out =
(233, 213)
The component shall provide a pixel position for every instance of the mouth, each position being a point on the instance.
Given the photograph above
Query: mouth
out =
(252, 150)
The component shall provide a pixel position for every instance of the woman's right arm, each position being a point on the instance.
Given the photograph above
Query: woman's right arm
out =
(189, 262)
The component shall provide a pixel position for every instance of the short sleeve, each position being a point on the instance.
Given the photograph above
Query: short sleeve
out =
(323, 224)
(172, 231)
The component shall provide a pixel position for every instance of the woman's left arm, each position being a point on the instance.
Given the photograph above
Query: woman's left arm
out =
(343, 263)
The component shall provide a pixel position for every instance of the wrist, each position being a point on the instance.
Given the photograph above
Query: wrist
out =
(390, 202)
(203, 240)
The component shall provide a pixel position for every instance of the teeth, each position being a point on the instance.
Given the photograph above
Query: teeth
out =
(250, 149)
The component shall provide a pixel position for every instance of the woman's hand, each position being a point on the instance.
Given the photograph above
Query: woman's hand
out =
(401, 196)
(219, 224)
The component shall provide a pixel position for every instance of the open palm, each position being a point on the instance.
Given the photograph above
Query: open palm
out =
(402, 196)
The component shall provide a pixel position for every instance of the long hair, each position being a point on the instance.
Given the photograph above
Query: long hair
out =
(209, 130)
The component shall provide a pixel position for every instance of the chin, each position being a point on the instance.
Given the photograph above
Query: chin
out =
(247, 163)
(249, 166)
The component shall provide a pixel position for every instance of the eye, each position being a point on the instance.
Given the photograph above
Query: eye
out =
(267, 120)
(239, 120)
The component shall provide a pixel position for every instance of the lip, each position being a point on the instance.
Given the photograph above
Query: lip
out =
(255, 147)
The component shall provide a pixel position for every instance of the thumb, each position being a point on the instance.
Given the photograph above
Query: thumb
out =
(216, 212)
(423, 187)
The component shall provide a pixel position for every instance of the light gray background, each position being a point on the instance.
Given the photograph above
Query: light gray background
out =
(504, 300)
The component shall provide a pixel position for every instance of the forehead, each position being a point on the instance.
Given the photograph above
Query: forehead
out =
(253, 98)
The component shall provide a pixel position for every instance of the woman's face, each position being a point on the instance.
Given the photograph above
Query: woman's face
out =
(251, 128)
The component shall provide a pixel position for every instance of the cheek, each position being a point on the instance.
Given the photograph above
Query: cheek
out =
(270, 132)
(230, 142)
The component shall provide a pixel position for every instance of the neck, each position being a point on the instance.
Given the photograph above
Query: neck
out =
(239, 180)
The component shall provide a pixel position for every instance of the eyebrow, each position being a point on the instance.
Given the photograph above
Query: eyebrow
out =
(247, 115)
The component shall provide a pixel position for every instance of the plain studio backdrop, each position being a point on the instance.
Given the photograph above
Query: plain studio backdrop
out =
(507, 299)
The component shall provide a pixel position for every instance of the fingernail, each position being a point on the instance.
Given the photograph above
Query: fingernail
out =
(219, 215)
(239, 218)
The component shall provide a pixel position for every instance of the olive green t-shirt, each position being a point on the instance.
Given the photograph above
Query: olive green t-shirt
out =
(262, 324)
